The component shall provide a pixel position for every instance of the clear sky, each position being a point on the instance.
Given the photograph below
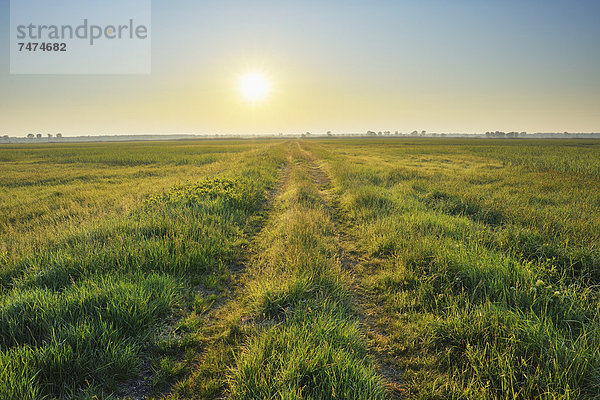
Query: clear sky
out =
(339, 65)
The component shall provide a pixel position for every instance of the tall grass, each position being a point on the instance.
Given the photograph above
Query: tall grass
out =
(484, 272)
(307, 341)
(479, 268)
(47, 190)
(78, 315)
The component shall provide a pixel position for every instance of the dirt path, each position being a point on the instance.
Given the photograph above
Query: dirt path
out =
(214, 317)
(216, 359)
(221, 315)
(353, 266)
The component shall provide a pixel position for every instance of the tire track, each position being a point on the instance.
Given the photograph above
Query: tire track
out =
(217, 320)
(354, 267)
(306, 339)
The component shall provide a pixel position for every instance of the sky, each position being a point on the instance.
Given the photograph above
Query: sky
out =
(339, 65)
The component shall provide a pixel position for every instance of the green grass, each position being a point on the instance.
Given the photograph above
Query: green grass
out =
(481, 262)
(211, 269)
(307, 341)
(80, 314)
(52, 189)
(92, 332)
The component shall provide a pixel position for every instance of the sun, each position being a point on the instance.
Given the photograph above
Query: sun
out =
(254, 87)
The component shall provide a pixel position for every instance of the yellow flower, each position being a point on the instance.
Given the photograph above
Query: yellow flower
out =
(539, 283)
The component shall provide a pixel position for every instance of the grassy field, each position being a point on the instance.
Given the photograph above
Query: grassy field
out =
(308, 269)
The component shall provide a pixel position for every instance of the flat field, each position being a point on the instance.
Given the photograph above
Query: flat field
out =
(301, 269)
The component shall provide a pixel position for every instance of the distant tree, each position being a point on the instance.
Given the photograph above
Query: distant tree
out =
(59, 135)
(329, 133)
(423, 133)
(396, 133)
(49, 135)
(414, 133)
(39, 135)
(379, 133)
(30, 136)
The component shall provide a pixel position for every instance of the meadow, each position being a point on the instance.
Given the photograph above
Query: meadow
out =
(301, 269)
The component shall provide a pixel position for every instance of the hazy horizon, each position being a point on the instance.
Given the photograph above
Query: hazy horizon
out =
(351, 66)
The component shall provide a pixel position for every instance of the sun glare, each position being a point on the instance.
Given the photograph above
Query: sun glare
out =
(254, 87)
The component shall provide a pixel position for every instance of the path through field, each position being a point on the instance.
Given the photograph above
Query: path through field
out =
(313, 269)
(329, 305)
(352, 266)
(307, 337)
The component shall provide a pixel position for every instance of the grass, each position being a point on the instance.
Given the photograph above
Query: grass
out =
(95, 331)
(482, 273)
(52, 189)
(80, 314)
(307, 341)
(221, 269)
(292, 331)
